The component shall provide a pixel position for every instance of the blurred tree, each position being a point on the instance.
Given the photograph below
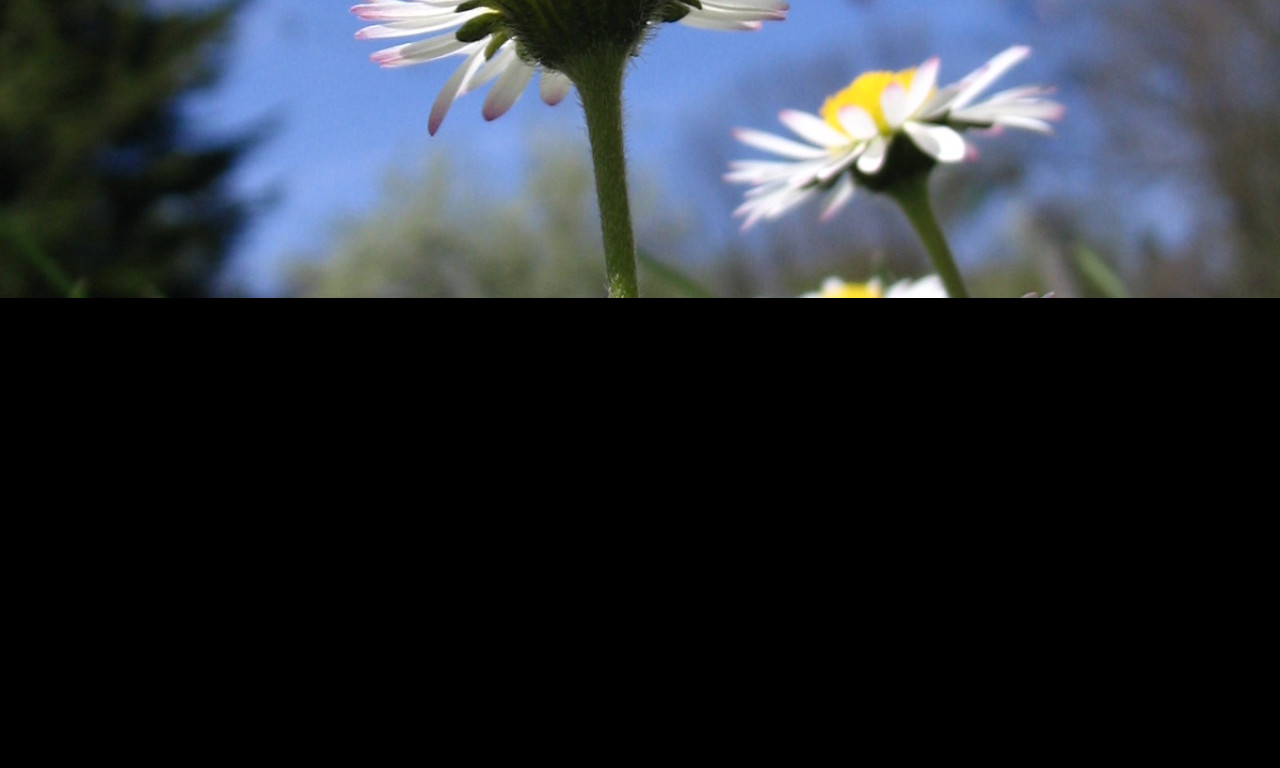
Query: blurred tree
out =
(101, 191)
(438, 235)
(1191, 93)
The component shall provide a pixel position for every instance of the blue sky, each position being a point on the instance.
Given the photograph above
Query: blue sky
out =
(341, 123)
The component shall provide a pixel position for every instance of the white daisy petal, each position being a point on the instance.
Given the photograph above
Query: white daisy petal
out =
(453, 88)
(858, 123)
(938, 141)
(762, 172)
(494, 68)
(990, 112)
(813, 129)
(743, 15)
(555, 87)
(840, 164)
(1024, 123)
(841, 194)
(893, 102)
(972, 86)
(778, 145)
(872, 160)
(507, 90)
(930, 287)
(922, 86)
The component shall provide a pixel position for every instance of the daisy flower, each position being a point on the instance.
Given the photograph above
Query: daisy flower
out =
(582, 44)
(486, 34)
(858, 137)
(925, 288)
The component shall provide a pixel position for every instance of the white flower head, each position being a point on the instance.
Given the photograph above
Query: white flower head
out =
(930, 287)
(858, 139)
(503, 40)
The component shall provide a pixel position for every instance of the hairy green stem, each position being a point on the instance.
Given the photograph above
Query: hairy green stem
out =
(599, 81)
(912, 195)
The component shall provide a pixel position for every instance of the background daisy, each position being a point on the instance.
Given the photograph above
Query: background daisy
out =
(849, 144)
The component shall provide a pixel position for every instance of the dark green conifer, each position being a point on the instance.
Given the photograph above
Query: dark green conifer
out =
(103, 190)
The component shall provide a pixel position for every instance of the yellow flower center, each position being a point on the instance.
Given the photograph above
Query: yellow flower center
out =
(838, 289)
(865, 93)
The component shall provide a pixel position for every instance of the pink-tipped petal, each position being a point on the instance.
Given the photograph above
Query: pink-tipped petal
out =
(893, 102)
(938, 141)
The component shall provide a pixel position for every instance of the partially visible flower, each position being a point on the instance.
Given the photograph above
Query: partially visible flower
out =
(487, 59)
(835, 288)
(930, 287)
(857, 140)
(488, 34)
(925, 288)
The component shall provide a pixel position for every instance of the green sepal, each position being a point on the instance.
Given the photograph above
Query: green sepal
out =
(905, 163)
(500, 39)
(479, 28)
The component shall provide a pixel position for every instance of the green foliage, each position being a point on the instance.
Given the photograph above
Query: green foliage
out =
(100, 192)
(436, 235)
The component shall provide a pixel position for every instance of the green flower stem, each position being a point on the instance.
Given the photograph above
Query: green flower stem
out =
(911, 194)
(599, 81)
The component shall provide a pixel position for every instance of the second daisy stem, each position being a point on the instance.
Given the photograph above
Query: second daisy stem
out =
(912, 196)
(599, 84)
